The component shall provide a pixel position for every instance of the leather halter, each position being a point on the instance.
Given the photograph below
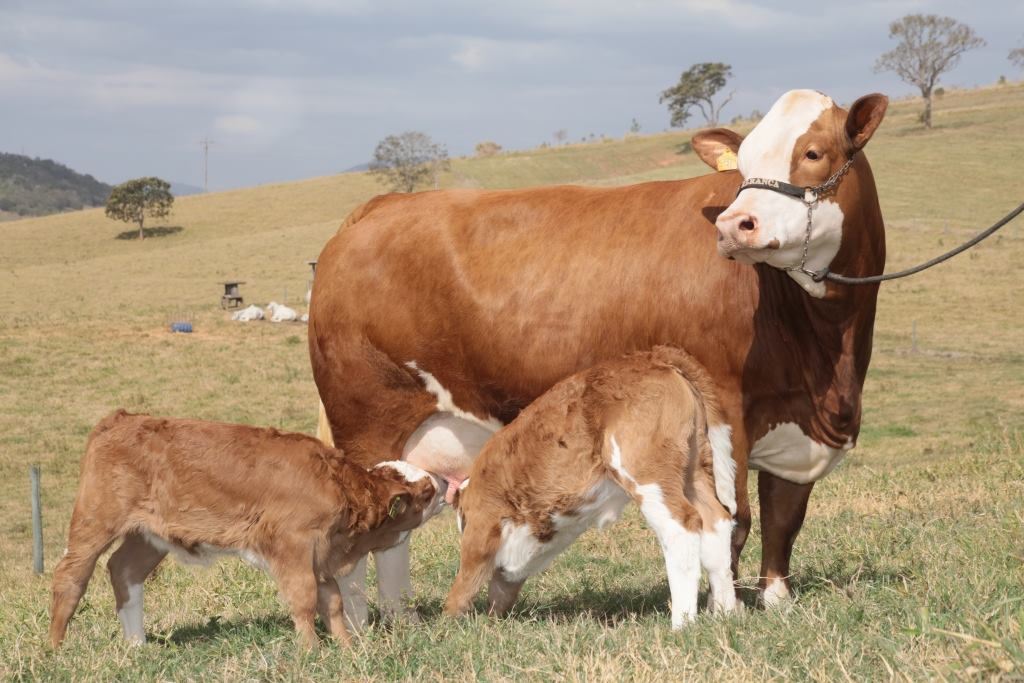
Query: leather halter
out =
(810, 196)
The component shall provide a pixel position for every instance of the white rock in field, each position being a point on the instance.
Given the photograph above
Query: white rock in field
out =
(280, 313)
(246, 314)
(304, 318)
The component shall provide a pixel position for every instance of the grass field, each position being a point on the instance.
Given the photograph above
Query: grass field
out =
(911, 563)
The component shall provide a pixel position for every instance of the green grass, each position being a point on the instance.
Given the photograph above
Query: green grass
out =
(911, 563)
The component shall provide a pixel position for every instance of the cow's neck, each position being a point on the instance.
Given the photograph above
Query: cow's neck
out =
(825, 343)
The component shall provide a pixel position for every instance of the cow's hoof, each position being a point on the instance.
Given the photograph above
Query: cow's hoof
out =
(776, 594)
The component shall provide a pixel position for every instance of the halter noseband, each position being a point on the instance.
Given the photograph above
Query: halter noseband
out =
(810, 197)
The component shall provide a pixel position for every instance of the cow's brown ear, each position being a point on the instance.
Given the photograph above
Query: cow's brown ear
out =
(717, 147)
(865, 116)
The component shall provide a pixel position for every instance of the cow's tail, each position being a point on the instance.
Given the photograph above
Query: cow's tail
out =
(323, 427)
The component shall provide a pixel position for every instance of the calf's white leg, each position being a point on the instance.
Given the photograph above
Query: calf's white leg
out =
(682, 554)
(716, 557)
(680, 546)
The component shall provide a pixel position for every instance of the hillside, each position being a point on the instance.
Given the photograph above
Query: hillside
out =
(38, 187)
(909, 564)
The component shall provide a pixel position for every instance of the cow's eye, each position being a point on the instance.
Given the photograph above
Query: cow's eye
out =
(812, 155)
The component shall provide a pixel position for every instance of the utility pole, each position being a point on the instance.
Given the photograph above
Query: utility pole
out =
(206, 142)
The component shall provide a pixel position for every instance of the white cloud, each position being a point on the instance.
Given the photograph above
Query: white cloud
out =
(481, 54)
(616, 16)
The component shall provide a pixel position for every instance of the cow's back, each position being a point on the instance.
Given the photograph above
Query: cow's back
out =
(500, 294)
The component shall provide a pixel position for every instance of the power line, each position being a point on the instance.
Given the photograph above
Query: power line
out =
(205, 143)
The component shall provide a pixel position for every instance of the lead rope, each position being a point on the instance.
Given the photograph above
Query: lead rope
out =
(826, 274)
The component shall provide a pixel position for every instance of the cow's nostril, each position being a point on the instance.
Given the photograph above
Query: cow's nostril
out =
(747, 224)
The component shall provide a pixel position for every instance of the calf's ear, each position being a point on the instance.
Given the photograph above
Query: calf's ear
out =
(864, 118)
(398, 504)
(717, 147)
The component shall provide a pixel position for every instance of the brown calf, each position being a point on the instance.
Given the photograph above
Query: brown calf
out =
(647, 427)
(283, 502)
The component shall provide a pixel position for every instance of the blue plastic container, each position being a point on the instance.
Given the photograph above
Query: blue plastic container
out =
(181, 327)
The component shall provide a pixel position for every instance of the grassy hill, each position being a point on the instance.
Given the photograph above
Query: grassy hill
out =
(909, 564)
(37, 187)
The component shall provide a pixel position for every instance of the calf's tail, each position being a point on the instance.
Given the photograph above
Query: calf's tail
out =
(719, 433)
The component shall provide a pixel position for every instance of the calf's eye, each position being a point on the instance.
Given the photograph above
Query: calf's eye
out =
(812, 155)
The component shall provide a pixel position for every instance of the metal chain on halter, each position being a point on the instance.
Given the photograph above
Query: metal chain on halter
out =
(812, 195)
(829, 185)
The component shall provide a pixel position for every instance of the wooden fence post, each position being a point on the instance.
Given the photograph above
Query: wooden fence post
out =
(37, 521)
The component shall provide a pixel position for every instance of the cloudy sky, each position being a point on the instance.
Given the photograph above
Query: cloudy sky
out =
(290, 89)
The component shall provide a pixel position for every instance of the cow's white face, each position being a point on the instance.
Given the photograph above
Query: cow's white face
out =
(802, 140)
(762, 225)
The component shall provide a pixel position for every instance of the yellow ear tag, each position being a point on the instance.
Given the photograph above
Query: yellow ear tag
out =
(726, 161)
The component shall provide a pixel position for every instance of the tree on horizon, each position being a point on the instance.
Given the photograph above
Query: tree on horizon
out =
(929, 46)
(697, 87)
(132, 200)
(404, 161)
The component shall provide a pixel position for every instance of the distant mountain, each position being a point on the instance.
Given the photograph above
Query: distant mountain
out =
(36, 187)
(358, 167)
(184, 189)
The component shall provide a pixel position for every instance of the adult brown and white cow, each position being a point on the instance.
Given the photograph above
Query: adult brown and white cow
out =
(436, 317)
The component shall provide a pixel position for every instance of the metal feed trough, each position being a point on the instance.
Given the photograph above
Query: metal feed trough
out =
(231, 298)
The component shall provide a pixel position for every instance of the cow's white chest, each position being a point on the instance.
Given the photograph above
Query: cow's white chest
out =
(787, 452)
(522, 555)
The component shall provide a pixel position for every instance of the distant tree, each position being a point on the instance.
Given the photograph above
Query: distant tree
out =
(634, 126)
(1016, 57)
(131, 201)
(697, 87)
(929, 46)
(560, 136)
(487, 148)
(402, 162)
